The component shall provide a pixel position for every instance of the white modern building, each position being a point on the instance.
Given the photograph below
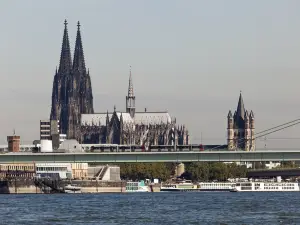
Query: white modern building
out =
(54, 170)
(50, 127)
(104, 172)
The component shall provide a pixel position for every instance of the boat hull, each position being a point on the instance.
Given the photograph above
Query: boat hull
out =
(179, 190)
(215, 190)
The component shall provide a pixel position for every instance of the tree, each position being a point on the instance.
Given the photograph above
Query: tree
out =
(142, 171)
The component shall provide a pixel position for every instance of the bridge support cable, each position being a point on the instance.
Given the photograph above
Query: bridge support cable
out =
(266, 132)
(292, 123)
(272, 130)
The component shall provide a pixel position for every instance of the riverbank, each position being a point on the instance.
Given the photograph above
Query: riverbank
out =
(27, 186)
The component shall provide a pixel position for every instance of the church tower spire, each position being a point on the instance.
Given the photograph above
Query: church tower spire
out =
(240, 113)
(79, 63)
(61, 77)
(65, 64)
(130, 98)
(130, 85)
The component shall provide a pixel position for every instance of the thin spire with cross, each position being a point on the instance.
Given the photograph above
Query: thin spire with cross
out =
(65, 63)
(130, 98)
(130, 86)
(78, 62)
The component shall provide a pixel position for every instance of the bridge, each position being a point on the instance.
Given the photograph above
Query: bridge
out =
(129, 157)
(284, 173)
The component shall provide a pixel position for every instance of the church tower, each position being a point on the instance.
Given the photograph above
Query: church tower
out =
(240, 128)
(130, 98)
(60, 85)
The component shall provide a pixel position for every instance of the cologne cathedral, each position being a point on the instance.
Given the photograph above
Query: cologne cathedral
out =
(72, 90)
(72, 105)
(240, 127)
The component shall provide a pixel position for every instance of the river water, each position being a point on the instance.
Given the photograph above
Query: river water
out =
(151, 208)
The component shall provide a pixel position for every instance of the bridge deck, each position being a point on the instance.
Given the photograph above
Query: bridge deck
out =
(117, 157)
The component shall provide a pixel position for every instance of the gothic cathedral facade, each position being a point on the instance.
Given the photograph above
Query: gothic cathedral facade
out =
(72, 89)
(72, 106)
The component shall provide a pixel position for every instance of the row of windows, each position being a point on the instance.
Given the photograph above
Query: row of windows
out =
(21, 149)
(246, 188)
(280, 184)
(45, 123)
(4, 167)
(216, 184)
(51, 168)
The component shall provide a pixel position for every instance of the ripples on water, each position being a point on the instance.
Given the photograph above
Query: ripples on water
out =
(151, 208)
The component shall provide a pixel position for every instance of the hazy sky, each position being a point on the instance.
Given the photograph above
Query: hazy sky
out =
(189, 57)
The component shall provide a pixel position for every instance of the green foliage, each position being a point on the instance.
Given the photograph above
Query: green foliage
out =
(141, 171)
(204, 171)
(197, 171)
(288, 165)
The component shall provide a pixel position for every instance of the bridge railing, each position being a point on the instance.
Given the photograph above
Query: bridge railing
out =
(154, 148)
(135, 148)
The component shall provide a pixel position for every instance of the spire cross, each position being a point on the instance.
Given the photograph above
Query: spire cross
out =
(66, 23)
(78, 25)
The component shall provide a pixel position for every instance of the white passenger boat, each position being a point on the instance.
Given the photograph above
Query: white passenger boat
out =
(265, 186)
(132, 186)
(216, 186)
(180, 186)
(72, 189)
(202, 186)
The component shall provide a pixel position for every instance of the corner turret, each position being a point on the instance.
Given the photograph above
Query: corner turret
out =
(230, 131)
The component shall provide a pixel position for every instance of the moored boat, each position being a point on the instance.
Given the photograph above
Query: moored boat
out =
(180, 186)
(265, 186)
(216, 186)
(72, 189)
(132, 186)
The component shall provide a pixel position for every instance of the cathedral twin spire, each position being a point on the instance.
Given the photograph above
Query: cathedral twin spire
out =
(66, 65)
(72, 91)
(78, 63)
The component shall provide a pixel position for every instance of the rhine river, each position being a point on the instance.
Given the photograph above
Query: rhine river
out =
(151, 208)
